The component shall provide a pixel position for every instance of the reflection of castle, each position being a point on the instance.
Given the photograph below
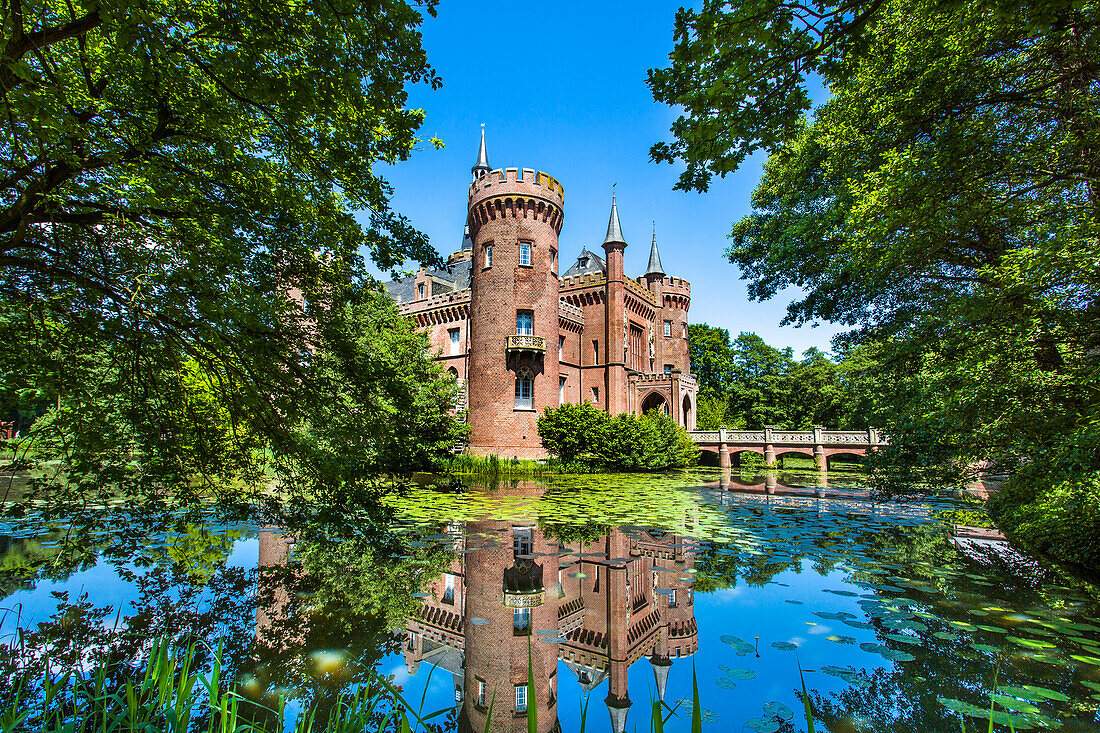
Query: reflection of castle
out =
(522, 337)
(598, 606)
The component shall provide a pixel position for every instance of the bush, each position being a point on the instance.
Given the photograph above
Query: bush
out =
(584, 434)
(1060, 519)
(568, 431)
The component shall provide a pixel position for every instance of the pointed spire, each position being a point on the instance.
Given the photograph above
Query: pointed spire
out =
(614, 231)
(482, 165)
(661, 667)
(654, 257)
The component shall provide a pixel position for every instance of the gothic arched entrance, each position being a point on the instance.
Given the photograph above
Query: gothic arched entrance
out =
(654, 401)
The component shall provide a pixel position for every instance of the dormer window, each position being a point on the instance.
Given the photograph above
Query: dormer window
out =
(582, 261)
(420, 291)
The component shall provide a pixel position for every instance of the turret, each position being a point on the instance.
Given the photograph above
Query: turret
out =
(615, 313)
(514, 216)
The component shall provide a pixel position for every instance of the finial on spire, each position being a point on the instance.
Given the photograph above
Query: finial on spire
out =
(481, 167)
(655, 267)
(614, 231)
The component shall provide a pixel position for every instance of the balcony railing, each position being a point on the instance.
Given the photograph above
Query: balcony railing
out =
(522, 342)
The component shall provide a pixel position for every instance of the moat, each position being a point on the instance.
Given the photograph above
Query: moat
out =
(608, 590)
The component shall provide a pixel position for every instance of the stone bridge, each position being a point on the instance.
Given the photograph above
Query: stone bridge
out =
(818, 443)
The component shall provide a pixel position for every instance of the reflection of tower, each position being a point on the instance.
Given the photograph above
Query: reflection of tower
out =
(514, 217)
(629, 597)
(483, 617)
(275, 578)
(625, 597)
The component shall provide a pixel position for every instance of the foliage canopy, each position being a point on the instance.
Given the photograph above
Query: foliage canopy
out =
(176, 182)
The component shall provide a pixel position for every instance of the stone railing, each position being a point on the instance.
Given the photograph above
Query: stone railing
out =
(767, 436)
(570, 311)
(523, 342)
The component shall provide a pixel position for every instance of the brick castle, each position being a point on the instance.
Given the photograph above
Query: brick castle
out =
(520, 337)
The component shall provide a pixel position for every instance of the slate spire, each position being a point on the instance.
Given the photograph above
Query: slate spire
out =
(654, 257)
(481, 167)
(614, 231)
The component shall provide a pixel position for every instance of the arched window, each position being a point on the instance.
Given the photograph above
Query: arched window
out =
(525, 384)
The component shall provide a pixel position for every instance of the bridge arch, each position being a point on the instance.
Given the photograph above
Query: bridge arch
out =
(842, 456)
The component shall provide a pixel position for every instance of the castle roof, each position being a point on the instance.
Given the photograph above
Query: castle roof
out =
(654, 257)
(482, 163)
(587, 263)
(614, 231)
(454, 277)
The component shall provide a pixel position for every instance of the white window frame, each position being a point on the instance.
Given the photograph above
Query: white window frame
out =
(561, 390)
(525, 390)
(488, 255)
(528, 329)
(521, 698)
(668, 328)
(525, 254)
(420, 291)
(481, 692)
(455, 336)
(521, 621)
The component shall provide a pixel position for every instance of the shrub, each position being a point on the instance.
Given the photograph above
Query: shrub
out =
(585, 434)
(567, 431)
(1060, 519)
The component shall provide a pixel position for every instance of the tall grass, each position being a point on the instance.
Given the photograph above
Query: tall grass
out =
(490, 467)
(168, 694)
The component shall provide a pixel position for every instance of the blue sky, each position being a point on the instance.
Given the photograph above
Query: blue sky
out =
(561, 88)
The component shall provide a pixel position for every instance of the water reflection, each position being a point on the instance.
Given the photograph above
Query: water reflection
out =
(515, 594)
(613, 589)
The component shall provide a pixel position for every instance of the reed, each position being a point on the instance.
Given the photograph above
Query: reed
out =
(167, 693)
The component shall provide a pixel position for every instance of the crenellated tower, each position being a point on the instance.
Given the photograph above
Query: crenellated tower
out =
(514, 218)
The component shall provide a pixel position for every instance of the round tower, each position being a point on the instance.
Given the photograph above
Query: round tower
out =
(515, 216)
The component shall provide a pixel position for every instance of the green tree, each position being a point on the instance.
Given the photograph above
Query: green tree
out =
(178, 185)
(943, 203)
(709, 350)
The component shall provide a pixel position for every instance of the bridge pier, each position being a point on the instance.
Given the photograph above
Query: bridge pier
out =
(771, 480)
(819, 449)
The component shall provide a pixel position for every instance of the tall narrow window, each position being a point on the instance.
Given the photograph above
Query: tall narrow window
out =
(595, 351)
(668, 328)
(525, 323)
(521, 621)
(523, 541)
(561, 346)
(525, 254)
(481, 693)
(553, 259)
(685, 329)
(561, 390)
(448, 588)
(672, 599)
(420, 291)
(524, 390)
(595, 395)
(488, 255)
(521, 698)
(455, 345)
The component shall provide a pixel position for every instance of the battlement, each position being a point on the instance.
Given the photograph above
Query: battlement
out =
(582, 281)
(519, 180)
(676, 283)
(454, 297)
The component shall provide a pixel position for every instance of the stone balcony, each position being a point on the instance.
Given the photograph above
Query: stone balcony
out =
(523, 342)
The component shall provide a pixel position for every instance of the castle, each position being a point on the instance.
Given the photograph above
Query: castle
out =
(519, 337)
